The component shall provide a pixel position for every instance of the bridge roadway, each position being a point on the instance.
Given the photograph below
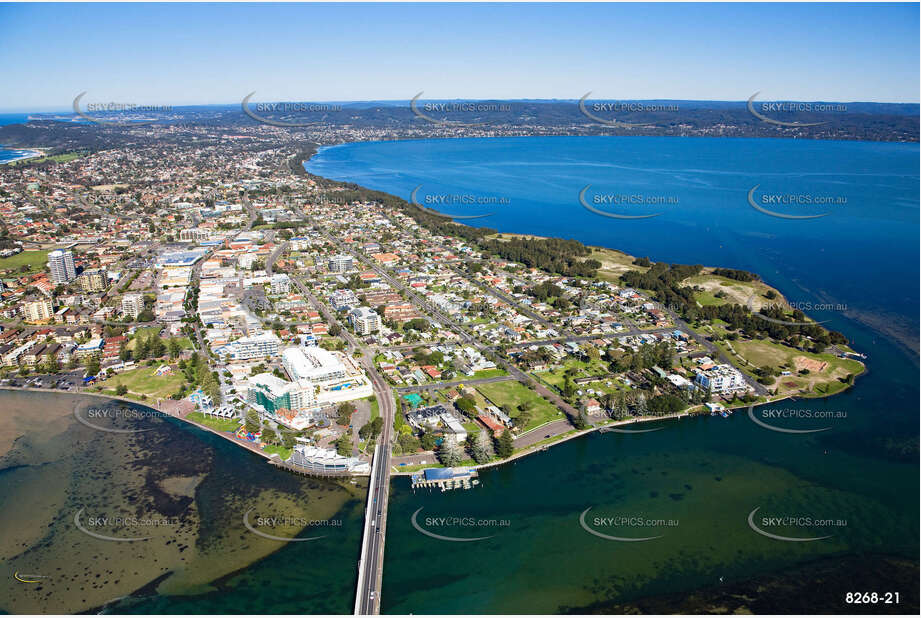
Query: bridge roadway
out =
(371, 563)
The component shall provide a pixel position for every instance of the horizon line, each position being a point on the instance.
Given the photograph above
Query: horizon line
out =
(43, 109)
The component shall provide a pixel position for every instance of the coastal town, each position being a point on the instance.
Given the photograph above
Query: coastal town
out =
(280, 309)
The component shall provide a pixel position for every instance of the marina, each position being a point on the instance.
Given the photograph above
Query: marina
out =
(445, 479)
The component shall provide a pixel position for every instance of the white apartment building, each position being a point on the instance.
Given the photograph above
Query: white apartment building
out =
(280, 284)
(263, 345)
(341, 263)
(721, 379)
(365, 320)
(195, 234)
(38, 310)
(314, 365)
(61, 264)
(132, 305)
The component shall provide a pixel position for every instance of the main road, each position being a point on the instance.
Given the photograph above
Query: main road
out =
(371, 563)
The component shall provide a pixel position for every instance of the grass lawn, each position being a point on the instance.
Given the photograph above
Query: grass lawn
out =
(557, 376)
(708, 299)
(219, 424)
(472, 428)
(614, 263)
(281, 451)
(815, 383)
(144, 381)
(35, 260)
(375, 409)
(514, 393)
(58, 158)
(415, 468)
(488, 373)
(145, 332)
(737, 292)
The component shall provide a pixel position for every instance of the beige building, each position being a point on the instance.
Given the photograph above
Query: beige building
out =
(38, 310)
(132, 305)
(93, 280)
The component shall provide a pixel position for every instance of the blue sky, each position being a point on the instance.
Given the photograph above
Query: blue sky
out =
(209, 53)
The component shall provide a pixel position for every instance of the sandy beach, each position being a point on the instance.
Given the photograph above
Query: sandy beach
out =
(23, 154)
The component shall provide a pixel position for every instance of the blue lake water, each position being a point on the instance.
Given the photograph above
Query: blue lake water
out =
(860, 262)
(861, 258)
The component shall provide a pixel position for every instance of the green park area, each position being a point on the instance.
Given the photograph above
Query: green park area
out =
(144, 381)
(218, 424)
(512, 396)
(581, 369)
(718, 290)
(281, 451)
(811, 375)
(58, 158)
(34, 260)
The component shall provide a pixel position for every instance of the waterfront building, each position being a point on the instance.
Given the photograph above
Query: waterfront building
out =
(321, 460)
(335, 376)
(293, 404)
(433, 416)
(721, 379)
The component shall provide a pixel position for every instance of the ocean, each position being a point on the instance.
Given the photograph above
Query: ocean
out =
(856, 267)
(11, 154)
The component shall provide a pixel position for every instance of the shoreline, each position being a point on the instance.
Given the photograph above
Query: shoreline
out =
(30, 153)
(531, 450)
(576, 433)
(115, 398)
(538, 447)
(301, 158)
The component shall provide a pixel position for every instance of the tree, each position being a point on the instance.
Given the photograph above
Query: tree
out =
(141, 347)
(92, 366)
(288, 438)
(174, 347)
(482, 447)
(427, 441)
(53, 366)
(466, 405)
(345, 413)
(252, 423)
(504, 445)
(269, 436)
(372, 429)
(450, 452)
(121, 389)
(408, 442)
(124, 353)
(344, 445)
(157, 347)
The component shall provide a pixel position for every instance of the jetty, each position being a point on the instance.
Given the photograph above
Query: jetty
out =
(445, 479)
